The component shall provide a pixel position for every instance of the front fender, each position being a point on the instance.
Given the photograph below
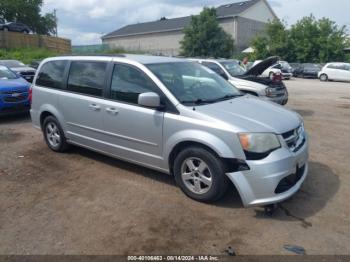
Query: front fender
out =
(213, 142)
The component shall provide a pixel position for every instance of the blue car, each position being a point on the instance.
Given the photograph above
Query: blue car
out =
(14, 92)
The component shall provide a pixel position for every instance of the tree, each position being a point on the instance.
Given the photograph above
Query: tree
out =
(275, 41)
(29, 13)
(318, 40)
(204, 37)
(309, 40)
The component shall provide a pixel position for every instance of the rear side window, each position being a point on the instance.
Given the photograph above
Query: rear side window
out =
(51, 74)
(87, 77)
(128, 82)
(333, 66)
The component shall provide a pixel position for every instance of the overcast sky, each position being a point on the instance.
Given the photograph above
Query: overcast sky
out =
(84, 21)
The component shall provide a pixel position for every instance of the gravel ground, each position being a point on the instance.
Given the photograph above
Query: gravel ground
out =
(86, 203)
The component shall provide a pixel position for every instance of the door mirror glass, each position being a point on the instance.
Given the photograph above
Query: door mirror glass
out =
(149, 99)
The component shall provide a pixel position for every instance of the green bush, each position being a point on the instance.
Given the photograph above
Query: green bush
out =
(26, 55)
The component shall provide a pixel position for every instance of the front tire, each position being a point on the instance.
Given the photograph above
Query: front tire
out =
(200, 174)
(323, 77)
(54, 135)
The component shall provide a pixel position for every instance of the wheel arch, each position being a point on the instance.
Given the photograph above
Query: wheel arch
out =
(202, 139)
(47, 110)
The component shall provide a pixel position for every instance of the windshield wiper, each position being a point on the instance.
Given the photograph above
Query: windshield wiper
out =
(196, 102)
(226, 97)
(208, 101)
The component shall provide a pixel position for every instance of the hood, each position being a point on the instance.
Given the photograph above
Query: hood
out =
(242, 84)
(22, 69)
(250, 114)
(262, 66)
(18, 84)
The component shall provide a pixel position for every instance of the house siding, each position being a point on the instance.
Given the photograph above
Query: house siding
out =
(243, 28)
(247, 29)
(165, 43)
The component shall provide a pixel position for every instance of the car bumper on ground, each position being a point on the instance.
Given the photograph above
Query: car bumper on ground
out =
(273, 179)
(14, 104)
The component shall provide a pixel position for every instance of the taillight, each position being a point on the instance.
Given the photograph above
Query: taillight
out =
(30, 95)
(277, 77)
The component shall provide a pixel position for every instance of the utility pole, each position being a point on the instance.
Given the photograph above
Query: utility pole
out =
(55, 15)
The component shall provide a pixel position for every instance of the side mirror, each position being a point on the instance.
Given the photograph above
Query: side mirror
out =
(149, 99)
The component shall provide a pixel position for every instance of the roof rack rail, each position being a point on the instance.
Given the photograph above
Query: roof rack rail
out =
(114, 55)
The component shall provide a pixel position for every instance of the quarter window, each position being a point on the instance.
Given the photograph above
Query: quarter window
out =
(128, 82)
(51, 74)
(87, 77)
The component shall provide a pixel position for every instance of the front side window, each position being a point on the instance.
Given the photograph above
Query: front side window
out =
(87, 77)
(51, 74)
(233, 68)
(128, 82)
(345, 67)
(192, 83)
(216, 68)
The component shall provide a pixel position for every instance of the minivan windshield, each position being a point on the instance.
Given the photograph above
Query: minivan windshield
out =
(233, 68)
(6, 73)
(192, 83)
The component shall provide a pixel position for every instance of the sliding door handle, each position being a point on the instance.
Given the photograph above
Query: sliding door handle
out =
(112, 110)
(95, 107)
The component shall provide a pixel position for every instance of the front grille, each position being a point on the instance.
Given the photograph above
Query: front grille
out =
(295, 138)
(289, 181)
(15, 99)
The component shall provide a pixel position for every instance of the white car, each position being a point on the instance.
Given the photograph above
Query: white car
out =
(271, 89)
(281, 67)
(269, 72)
(335, 71)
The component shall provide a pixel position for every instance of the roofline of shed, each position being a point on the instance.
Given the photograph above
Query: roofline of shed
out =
(160, 31)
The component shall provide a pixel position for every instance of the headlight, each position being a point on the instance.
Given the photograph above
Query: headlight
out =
(270, 92)
(258, 145)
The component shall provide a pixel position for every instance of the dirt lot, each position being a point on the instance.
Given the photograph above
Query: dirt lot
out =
(85, 203)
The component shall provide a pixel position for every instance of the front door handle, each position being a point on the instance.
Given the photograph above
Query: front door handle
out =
(112, 110)
(95, 107)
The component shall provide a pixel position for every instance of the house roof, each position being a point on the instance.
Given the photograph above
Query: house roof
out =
(176, 24)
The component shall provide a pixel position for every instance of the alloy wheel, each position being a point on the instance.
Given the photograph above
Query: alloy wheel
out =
(53, 134)
(196, 175)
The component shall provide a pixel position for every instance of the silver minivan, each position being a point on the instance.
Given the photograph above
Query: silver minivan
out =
(174, 116)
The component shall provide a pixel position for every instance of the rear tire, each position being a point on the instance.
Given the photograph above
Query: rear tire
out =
(200, 174)
(323, 77)
(54, 135)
